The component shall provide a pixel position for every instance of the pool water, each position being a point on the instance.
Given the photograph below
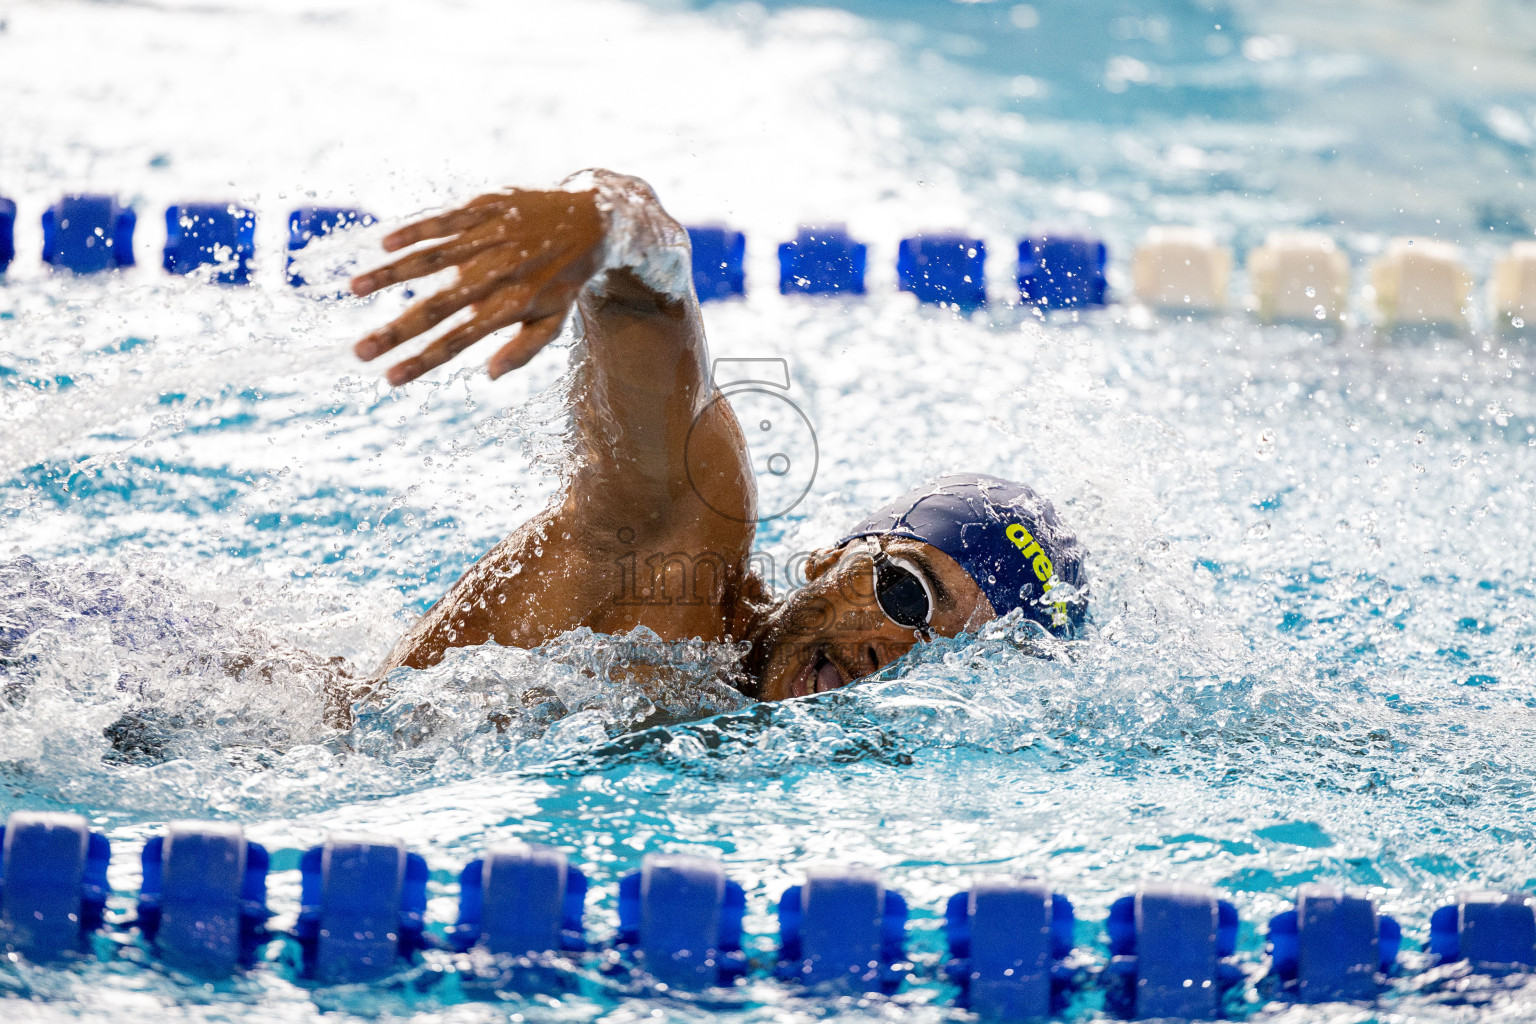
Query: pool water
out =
(1310, 654)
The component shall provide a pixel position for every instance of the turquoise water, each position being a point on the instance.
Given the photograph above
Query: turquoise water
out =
(1311, 654)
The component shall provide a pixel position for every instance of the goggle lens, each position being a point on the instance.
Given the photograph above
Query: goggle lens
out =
(901, 594)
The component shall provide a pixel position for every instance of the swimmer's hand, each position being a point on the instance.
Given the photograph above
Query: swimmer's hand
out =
(522, 258)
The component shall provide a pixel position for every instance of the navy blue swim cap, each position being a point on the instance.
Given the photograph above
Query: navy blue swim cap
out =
(1008, 538)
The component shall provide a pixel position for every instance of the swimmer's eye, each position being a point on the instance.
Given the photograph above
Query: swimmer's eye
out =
(903, 592)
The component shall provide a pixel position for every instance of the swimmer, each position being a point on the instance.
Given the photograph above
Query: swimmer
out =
(630, 542)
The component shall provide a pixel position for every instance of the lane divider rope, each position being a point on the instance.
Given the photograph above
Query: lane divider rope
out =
(1172, 947)
(1295, 276)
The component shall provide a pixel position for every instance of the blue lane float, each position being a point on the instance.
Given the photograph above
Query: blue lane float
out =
(203, 901)
(719, 262)
(680, 920)
(88, 233)
(53, 883)
(1495, 932)
(948, 269)
(843, 929)
(311, 222)
(1170, 945)
(1062, 271)
(1007, 939)
(820, 261)
(1334, 945)
(364, 898)
(222, 235)
(202, 909)
(521, 899)
(7, 232)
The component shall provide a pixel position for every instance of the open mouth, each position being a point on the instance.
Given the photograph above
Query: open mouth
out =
(819, 675)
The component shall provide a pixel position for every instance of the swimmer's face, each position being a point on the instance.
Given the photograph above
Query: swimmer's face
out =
(834, 630)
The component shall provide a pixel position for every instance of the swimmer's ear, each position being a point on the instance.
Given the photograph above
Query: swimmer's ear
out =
(818, 562)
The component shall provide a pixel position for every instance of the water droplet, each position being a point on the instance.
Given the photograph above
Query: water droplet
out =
(1311, 292)
(1320, 312)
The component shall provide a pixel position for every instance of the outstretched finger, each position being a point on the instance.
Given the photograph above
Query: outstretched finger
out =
(482, 254)
(453, 342)
(430, 312)
(531, 338)
(420, 264)
(423, 316)
(450, 223)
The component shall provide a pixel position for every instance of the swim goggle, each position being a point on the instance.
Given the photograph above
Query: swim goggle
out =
(902, 590)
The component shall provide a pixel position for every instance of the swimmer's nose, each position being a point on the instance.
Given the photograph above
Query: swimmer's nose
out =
(885, 651)
(865, 660)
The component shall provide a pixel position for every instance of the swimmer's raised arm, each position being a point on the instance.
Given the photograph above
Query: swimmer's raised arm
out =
(642, 404)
